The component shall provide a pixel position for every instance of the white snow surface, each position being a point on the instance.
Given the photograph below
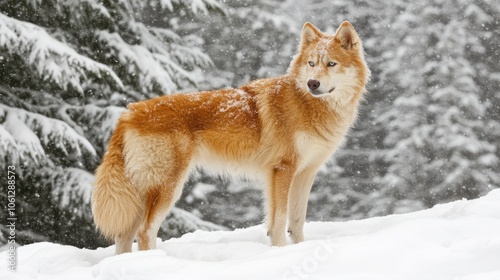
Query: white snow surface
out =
(458, 240)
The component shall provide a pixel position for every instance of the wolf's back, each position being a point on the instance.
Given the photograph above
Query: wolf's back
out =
(116, 204)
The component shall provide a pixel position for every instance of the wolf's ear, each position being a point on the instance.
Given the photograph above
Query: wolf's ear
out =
(347, 36)
(309, 34)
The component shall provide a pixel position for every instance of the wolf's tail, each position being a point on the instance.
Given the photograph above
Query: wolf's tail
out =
(116, 204)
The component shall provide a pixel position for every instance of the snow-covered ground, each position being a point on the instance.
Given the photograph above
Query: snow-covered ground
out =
(459, 240)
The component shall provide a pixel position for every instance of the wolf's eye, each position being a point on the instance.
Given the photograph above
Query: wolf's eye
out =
(311, 63)
(331, 64)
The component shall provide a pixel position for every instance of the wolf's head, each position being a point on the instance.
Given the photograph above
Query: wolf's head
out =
(331, 66)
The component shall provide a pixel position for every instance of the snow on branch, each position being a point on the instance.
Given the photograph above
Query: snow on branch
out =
(72, 189)
(202, 6)
(104, 119)
(53, 60)
(180, 221)
(8, 147)
(154, 63)
(196, 6)
(139, 61)
(34, 134)
(107, 117)
(190, 55)
(164, 34)
(95, 7)
(170, 48)
(26, 142)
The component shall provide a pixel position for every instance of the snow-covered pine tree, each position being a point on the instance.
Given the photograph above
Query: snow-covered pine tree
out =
(437, 145)
(67, 68)
(484, 21)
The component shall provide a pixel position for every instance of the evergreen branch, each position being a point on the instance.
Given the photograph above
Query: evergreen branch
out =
(71, 188)
(35, 135)
(51, 59)
(9, 148)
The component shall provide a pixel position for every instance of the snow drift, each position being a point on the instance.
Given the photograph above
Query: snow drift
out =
(458, 240)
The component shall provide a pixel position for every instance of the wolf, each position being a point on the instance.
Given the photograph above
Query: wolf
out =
(280, 130)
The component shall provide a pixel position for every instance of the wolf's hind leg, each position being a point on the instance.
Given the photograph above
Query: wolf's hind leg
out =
(123, 242)
(160, 199)
(158, 203)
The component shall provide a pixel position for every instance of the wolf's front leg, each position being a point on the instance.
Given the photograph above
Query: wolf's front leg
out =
(297, 203)
(277, 202)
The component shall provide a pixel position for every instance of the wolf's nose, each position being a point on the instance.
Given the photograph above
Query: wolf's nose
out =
(313, 84)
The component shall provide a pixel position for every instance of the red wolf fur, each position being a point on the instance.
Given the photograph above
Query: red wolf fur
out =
(280, 130)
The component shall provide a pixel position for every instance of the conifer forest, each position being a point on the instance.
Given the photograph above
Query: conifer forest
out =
(428, 131)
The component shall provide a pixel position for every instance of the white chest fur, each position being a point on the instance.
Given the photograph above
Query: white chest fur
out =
(313, 151)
